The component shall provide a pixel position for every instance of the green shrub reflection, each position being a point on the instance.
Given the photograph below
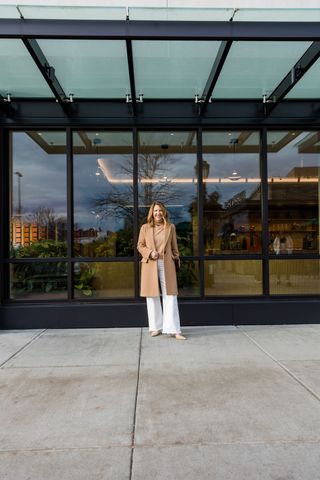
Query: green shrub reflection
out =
(116, 244)
(84, 279)
(38, 277)
(41, 249)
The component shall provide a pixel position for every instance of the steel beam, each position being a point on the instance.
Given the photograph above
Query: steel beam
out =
(6, 107)
(292, 78)
(159, 30)
(214, 74)
(48, 74)
(133, 98)
(293, 114)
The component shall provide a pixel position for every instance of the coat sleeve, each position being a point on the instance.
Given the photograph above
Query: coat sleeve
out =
(142, 247)
(174, 244)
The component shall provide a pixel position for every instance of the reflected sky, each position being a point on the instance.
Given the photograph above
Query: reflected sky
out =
(92, 186)
(43, 183)
(282, 162)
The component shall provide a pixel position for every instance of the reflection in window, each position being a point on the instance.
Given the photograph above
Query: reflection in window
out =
(233, 277)
(294, 277)
(231, 192)
(168, 173)
(188, 278)
(104, 280)
(103, 194)
(293, 186)
(38, 281)
(38, 194)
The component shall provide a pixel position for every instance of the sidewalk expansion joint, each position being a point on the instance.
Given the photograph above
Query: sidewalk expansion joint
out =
(135, 408)
(6, 451)
(23, 348)
(278, 362)
(231, 443)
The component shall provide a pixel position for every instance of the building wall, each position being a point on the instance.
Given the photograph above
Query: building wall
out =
(177, 3)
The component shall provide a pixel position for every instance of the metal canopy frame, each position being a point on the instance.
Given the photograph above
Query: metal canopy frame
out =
(136, 111)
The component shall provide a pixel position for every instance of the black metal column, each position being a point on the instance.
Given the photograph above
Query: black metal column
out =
(2, 212)
(136, 212)
(69, 158)
(264, 210)
(200, 210)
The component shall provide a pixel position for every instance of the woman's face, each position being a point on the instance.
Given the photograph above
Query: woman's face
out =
(158, 213)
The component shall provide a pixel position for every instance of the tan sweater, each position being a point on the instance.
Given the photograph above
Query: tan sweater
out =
(158, 235)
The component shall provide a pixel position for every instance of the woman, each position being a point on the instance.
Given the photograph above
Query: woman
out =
(158, 246)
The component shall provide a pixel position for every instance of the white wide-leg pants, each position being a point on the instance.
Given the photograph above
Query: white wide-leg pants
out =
(165, 318)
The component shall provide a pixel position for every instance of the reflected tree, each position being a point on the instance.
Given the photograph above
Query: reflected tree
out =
(117, 203)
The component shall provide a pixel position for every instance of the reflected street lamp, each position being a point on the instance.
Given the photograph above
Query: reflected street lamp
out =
(19, 175)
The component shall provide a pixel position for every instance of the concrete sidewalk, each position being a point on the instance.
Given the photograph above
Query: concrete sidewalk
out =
(230, 403)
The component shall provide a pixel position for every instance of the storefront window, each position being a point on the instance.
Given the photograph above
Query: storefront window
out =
(188, 279)
(295, 277)
(231, 192)
(38, 281)
(38, 194)
(103, 280)
(233, 277)
(168, 172)
(103, 194)
(293, 186)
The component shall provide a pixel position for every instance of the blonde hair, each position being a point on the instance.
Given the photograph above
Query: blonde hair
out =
(150, 218)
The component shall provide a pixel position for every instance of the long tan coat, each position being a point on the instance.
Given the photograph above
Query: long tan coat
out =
(149, 271)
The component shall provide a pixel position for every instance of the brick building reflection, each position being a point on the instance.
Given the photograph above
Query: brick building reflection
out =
(23, 234)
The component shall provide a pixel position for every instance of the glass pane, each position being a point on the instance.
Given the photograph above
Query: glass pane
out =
(167, 172)
(294, 277)
(38, 281)
(172, 69)
(308, 86)
(73, 12)
(257, 67)
(293, 183)
(232, 192)
(192, 14)
(188, 279)
(19, 75)
(104, 280)
(9, 11)
(103, 194)
(89, 68)
(277, 14)
(38, 194)
(232, 277)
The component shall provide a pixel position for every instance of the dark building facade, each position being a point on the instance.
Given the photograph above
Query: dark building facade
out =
(217, 119)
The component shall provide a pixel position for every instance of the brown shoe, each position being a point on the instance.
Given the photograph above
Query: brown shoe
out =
(180, 337)
(155, 333)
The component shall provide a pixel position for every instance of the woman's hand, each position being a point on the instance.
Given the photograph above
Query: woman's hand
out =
(154, 255)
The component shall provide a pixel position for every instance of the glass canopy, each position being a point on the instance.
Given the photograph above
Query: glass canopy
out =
(160, 13)
(67, 12)
(165, 65)
(309, 85)
(89, 69)
(172, 69)
(181, 14)
(277, 15)
(19, 75)
(253, 69)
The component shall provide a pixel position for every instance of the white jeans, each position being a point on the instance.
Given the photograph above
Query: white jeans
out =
(167, 320)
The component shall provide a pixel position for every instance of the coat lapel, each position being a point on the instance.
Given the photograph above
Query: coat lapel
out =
(166, 235)
(150, 237)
